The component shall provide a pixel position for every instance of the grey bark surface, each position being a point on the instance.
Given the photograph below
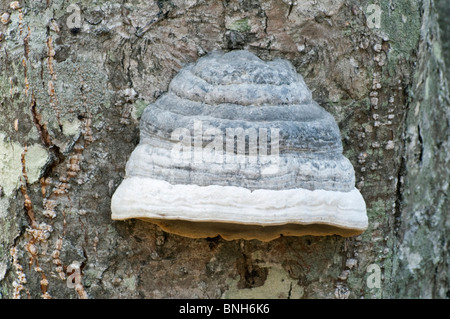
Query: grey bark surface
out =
(443, 10)
(70, 103)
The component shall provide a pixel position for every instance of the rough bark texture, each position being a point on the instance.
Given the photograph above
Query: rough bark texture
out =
(70, 103)
(443, 9)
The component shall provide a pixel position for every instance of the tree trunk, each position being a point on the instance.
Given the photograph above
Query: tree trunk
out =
(74, 80)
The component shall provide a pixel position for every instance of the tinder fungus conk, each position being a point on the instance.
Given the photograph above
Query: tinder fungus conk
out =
(238, 148)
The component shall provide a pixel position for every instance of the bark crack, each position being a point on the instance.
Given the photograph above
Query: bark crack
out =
(420, 156)
(24, 189)
(399, 196)
(162, 14)
(55, 152)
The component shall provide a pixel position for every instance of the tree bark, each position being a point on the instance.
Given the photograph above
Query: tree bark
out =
(74, 80)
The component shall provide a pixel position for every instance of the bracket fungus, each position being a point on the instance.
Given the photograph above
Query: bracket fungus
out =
(237, 147)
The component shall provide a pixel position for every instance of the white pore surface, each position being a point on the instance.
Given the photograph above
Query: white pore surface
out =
(143, 197)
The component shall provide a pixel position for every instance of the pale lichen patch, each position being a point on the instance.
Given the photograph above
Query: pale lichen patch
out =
(240, 25)
(11, 166)
(277, 285)
(413, 259)
(71, 127)
(138, 108)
